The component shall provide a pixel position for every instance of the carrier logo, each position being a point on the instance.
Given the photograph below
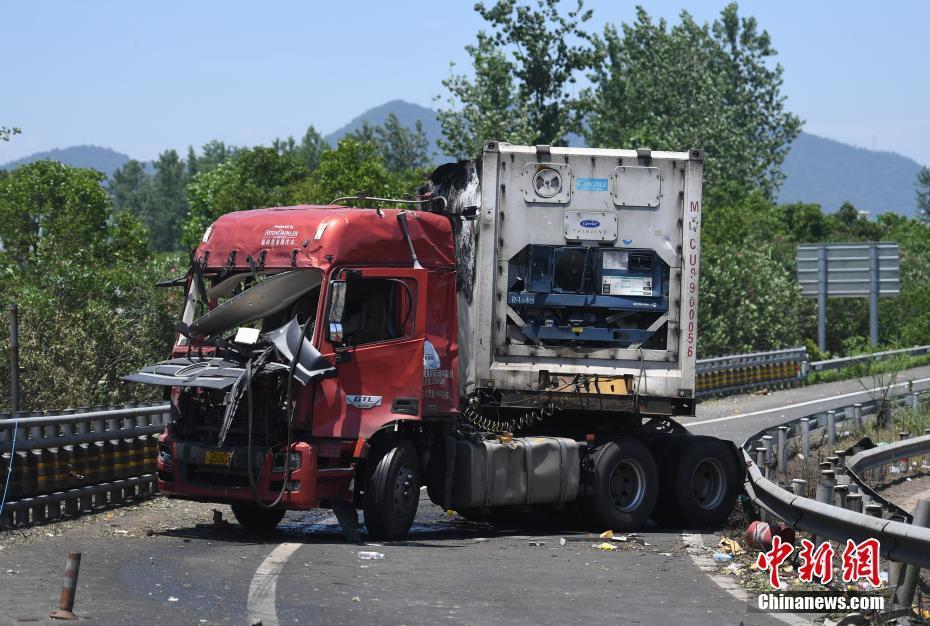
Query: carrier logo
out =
(590, 223)
(363, 402)
(591, 184)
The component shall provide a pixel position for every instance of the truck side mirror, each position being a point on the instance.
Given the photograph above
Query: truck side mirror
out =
(337, 303)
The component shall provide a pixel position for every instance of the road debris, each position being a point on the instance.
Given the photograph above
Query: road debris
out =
(538, 544)
(606, 547)
(721, 557)
(607, 534)
(730, 546)
(562, 541)
(172, 599)
(480, 539)
(366, 555)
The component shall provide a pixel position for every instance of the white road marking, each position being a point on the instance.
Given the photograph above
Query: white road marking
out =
(799, 404)
(264, 584)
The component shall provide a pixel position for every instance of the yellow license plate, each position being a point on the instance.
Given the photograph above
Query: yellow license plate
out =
(218, 457)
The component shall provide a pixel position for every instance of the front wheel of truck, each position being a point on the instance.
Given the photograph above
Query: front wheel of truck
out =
(256, 518)
(623, 486)
(393, 490)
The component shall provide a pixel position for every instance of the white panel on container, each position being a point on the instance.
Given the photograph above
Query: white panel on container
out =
(590, 226)
(637, 186)
(626, 286)
(547, 182)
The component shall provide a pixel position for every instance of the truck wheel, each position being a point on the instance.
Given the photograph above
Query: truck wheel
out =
(256, 518)
(393, 491)
(701, 476)
(624, 484)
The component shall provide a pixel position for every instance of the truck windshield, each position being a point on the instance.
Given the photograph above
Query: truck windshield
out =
(265, 300)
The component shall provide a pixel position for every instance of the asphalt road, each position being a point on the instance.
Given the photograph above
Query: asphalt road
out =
(164, 562)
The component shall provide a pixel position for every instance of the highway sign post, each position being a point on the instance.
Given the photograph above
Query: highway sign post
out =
(849, 270)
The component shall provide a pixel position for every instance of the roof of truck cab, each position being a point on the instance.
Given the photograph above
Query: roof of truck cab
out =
(324, 236)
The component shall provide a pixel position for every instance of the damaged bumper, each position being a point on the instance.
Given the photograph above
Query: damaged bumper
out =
(194, 471)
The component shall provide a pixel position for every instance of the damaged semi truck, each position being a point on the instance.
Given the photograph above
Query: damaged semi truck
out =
(518, 339)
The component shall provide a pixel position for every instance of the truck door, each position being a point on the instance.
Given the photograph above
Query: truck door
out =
(375, 331)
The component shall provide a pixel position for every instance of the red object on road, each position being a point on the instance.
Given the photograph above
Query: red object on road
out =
(759, 534)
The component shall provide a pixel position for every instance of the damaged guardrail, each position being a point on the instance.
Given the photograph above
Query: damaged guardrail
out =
(860, 359)
(845, 506)
(79, 459)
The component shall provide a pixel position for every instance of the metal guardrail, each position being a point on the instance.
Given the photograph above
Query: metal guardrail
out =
(900, 541)
(859, 359)
(738, 373)
(743, 372)
(80, 458)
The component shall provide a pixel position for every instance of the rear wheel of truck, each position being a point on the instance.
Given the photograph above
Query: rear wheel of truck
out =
(623, 485)
(256, 518)
(393, 490)
(700, 477)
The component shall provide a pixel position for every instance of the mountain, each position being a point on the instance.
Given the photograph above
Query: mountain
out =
(406, 112)
(828, 172)
(818, 170)
(101, 159)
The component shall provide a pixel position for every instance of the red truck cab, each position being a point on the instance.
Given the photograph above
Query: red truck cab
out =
(393, 353)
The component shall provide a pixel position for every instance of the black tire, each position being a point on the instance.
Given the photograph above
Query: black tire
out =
(393, 490)
(623, 485)
(701, 481)
(256, 518)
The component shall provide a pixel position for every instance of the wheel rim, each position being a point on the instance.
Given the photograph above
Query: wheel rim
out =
(708, 483)
(628, 485)
(406, 492)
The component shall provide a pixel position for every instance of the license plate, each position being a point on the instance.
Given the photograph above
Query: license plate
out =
(218, 457)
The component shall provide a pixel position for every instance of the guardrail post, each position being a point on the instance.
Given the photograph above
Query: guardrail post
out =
(915, 401)
(839, 495)
(760, 461)
(799, 486)
(831, 427)
(857, 416)
(854, 502)
(825, 495)
(875, 510)
(783, 449)
(904, 594)
(805, 437)
(769, 453)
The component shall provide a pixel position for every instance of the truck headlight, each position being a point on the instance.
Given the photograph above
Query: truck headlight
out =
(294, 461)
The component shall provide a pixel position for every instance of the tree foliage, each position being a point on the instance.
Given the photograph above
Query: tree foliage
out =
(6, 133)
(83, 277)
(923, 193)
(400, 148)
(524, 70)
(710, 86)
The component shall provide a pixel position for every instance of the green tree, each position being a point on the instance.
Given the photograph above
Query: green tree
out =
(524, 71)
(254, 178)
(130, 188)
(49, 208)
(486, 107)
(168, 204)
(308, 151)
(354, 167)
(6, 133)
(401, 149)
(83, 278)
(923, 193)
(709, 86)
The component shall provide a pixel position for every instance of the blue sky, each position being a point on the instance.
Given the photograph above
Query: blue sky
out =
(144, 77)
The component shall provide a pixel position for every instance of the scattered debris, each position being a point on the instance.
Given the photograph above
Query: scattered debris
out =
(721, 557)
(480, 539)
(538, 544)
(356, 599)
(607, 547)
(665, 554)
(172, 599)
(366, 555)
(730, 546)
(562, 541)
(218, 522)
(607, 534)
